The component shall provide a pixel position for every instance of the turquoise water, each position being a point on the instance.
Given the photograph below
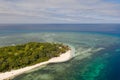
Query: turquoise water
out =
(96, 56)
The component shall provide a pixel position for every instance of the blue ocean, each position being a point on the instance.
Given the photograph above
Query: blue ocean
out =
(97, 49)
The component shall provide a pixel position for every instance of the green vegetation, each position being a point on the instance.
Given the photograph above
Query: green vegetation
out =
(15, 57)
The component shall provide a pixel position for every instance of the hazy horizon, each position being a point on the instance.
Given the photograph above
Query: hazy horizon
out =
(112, 28)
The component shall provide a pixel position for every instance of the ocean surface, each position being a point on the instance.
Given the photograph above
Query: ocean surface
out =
(96, 57)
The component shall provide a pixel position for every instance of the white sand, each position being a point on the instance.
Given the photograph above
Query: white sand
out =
(62, 58)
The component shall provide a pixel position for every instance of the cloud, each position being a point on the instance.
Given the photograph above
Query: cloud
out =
(59, 11)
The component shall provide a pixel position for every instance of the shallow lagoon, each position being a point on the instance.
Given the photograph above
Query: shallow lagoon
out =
(96, 56)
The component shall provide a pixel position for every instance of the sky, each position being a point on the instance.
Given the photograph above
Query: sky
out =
(59, 11)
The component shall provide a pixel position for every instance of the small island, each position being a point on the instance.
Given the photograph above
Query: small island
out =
(23, 55)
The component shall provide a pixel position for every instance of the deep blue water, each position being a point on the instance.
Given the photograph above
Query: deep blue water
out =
(106, 28)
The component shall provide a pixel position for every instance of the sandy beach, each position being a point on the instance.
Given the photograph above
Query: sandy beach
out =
(62, 58)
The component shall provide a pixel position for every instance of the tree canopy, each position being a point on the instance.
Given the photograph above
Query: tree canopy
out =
(22, 55)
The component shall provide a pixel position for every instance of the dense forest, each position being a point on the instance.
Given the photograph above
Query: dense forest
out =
(22, 55)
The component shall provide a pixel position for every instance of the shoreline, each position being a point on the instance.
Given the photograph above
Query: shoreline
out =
(62, 58)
